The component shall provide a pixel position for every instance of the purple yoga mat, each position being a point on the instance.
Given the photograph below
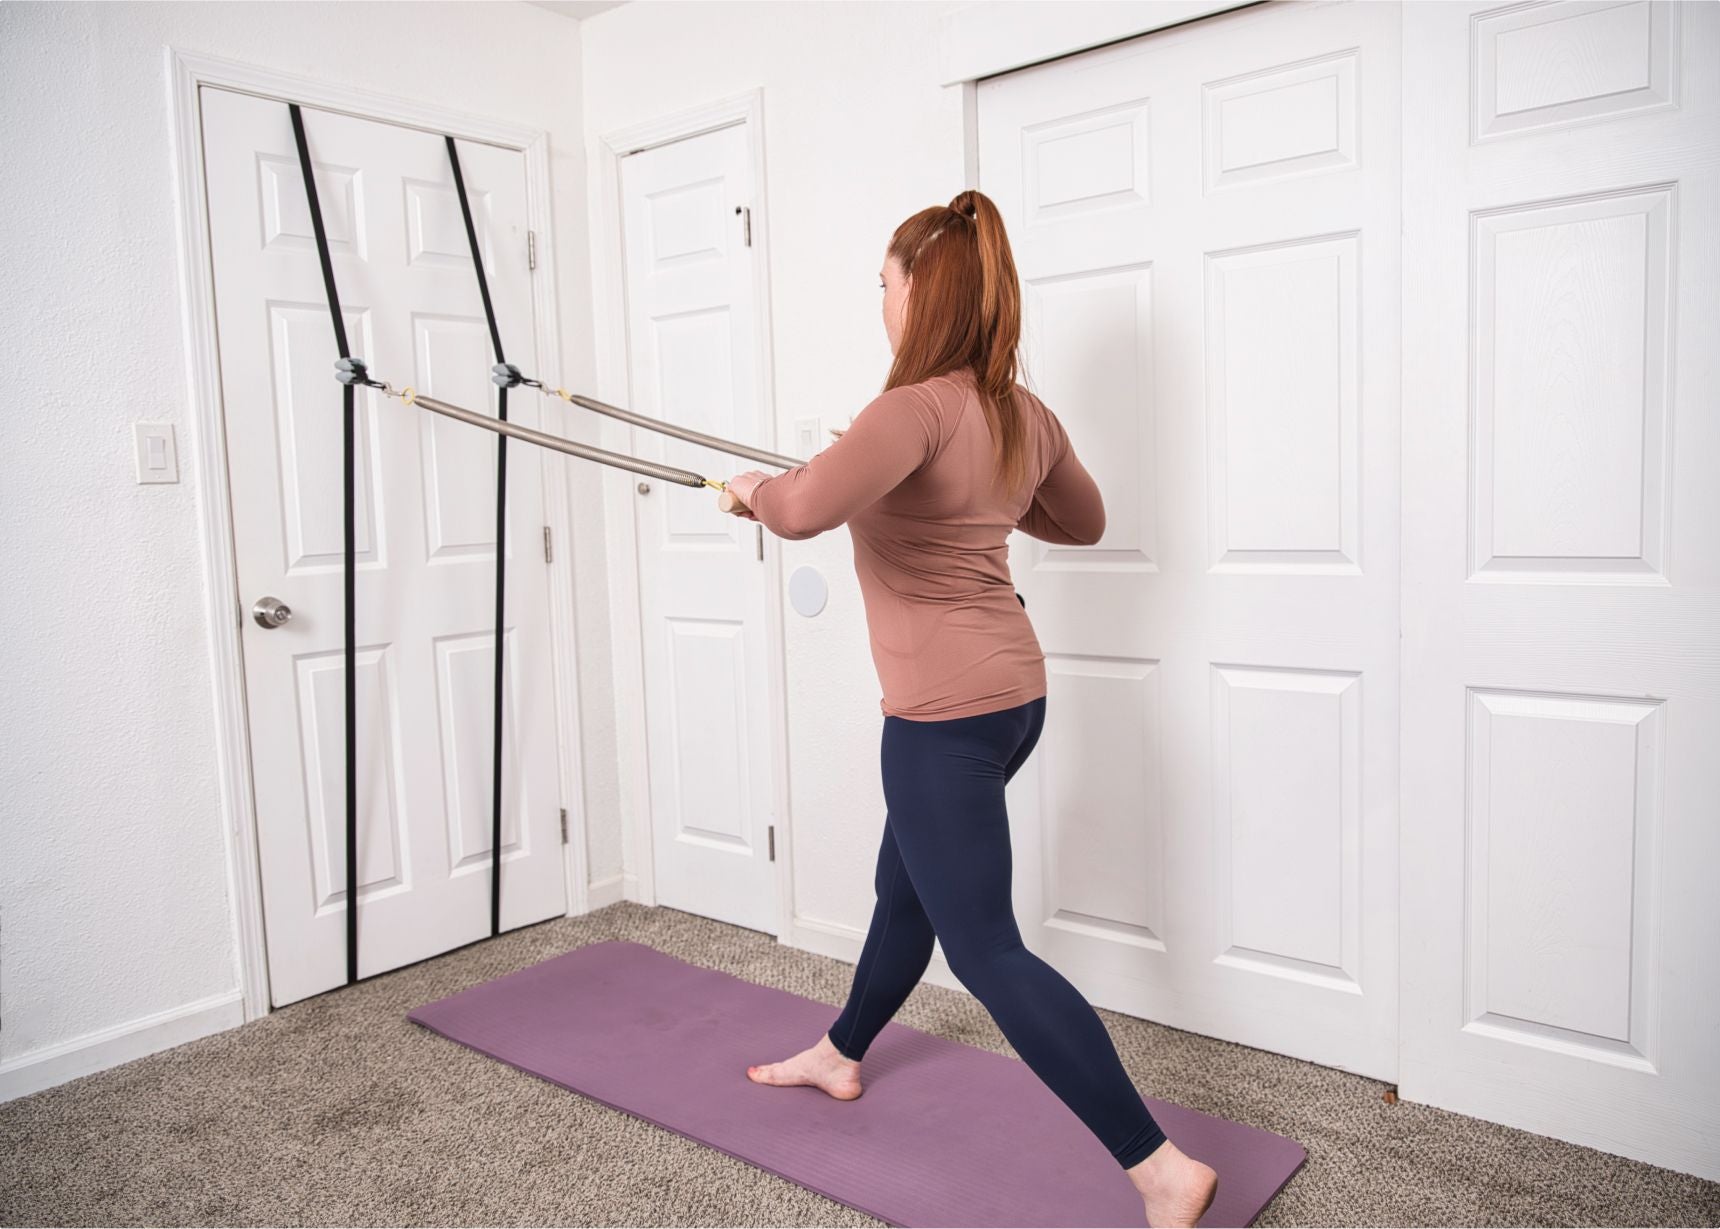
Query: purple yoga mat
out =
(945, 1134)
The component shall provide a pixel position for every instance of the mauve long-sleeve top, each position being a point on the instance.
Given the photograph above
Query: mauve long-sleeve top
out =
(912, 478)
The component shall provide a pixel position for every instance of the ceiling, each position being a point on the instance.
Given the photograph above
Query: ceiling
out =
(579, 10)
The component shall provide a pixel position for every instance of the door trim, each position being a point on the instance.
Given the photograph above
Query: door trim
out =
(187, 72)
(608, 265)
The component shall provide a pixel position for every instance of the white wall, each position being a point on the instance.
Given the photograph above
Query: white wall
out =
(112, 859)
(113, 901)
(858, 134)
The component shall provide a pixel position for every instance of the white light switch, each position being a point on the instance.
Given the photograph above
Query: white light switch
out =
(156, 459)
(806, 438)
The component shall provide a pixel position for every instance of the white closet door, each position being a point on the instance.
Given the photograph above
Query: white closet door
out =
(1206, 224)
(425, 494)
(1561, 721)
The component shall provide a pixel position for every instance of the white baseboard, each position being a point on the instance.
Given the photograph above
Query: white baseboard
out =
(120, 1043)
(823, 938)
(844, 943)
(603, 892)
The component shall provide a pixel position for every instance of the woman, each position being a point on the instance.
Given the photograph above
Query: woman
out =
(930, 478)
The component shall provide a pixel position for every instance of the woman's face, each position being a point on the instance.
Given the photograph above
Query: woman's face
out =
(895, 288)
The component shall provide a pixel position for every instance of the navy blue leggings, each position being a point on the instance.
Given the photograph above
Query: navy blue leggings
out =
(944, 869)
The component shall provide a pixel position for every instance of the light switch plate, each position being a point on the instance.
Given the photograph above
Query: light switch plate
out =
(807, 438)
(157, 460)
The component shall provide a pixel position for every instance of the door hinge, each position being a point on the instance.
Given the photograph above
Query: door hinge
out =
(760, 529)
(746, 221)
(773, 842)
(564, 825)
(548, 551)
(531, 249)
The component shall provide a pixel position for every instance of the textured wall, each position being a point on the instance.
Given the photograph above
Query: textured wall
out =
(858, 134)
(113, 880)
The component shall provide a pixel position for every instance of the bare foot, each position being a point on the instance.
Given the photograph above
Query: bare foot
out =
(1177, 1188)
(823, 1066)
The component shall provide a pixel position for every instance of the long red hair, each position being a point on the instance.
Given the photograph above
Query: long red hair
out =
(964, 311)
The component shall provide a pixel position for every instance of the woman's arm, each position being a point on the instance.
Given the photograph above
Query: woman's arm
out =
(892, 437)
(1067, 508)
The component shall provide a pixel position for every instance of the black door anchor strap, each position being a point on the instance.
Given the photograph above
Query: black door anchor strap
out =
(347, 484)
(501, 530)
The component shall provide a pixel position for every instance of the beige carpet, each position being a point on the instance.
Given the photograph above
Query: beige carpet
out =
(339, 1111)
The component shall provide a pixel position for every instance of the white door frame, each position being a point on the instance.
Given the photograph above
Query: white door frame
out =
(186, 72)
(610, 319)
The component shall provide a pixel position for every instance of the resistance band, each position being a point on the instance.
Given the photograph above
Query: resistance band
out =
(501, 528)
(351, 581)
(353, 371)
(508, 376)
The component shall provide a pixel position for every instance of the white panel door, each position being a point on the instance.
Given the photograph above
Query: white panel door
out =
(1206, 224)
(694, 360)
(1561, 721)
(425, 499)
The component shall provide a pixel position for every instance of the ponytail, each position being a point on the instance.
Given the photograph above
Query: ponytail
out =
(965, 310)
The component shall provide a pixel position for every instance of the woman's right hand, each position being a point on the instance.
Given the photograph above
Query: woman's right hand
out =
(740, 488)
